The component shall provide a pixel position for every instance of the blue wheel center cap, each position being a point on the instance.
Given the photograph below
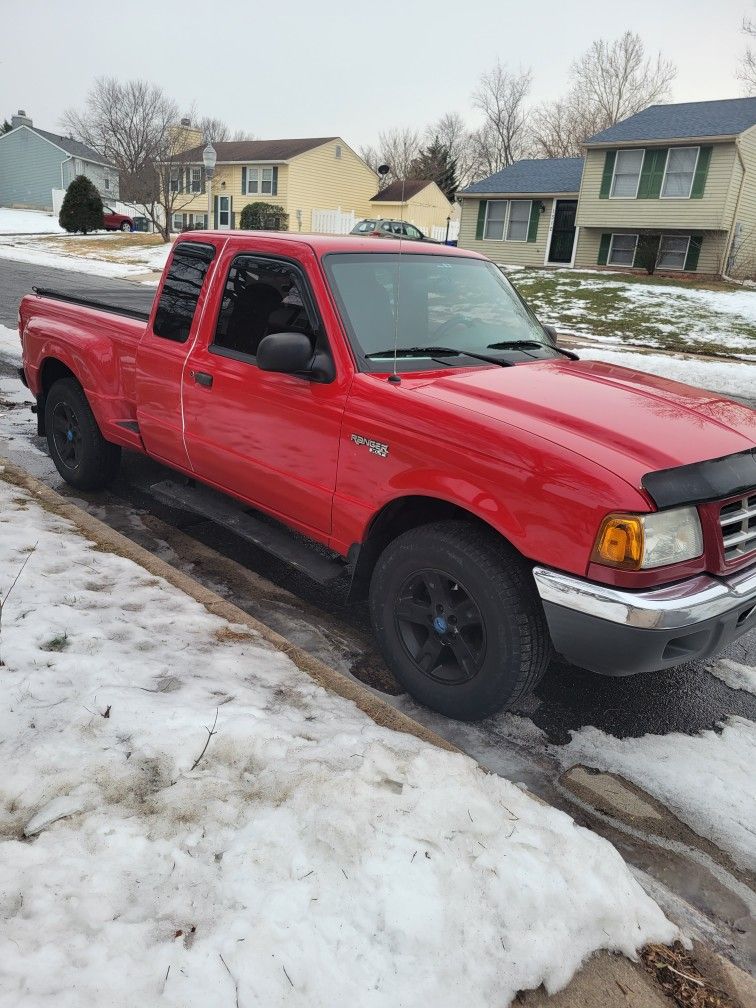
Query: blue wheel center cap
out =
(69, 435)
(440, 625)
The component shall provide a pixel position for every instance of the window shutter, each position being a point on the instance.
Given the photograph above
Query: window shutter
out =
(535, 213)
(481, 219)
(652, 173)
(231, 212)
(274, 185)
(244, 181)
(215, 212)
(702, 170)
(606, 178)
(203, 181)
(694, 251)
(603, 253)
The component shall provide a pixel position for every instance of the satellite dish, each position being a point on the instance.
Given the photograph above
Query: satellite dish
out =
(383, 169)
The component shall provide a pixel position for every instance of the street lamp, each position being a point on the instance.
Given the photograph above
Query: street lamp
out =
(209, 159)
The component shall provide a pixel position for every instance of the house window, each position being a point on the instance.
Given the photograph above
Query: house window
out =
(679, 172)
(622, 249)
(178, 222)
(673, 251)
(260, 180)
(627, 169)
(107, 182)
(337, 151)
(174, 181)
(519, 219)
(196, 180)
(496, 212)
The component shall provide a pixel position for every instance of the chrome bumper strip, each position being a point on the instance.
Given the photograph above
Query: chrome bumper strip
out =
(679, 605)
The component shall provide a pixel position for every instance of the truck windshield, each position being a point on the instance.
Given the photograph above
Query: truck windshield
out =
(434, 302)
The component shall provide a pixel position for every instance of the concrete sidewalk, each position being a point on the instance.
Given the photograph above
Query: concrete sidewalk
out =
(606, 980)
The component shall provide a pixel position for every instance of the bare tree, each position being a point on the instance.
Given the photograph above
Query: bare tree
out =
(502, 96)
(453, 133)
(217, 131)
(396, 148)
(616, 79)
(561, 128)
(136, 126)
(747, 68)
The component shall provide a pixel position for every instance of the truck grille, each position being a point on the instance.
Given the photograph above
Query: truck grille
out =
(738, 521)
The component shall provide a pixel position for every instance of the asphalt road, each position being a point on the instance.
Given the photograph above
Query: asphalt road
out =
(686, 699)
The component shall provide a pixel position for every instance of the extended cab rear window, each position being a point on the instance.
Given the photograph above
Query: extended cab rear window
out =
(181, 290)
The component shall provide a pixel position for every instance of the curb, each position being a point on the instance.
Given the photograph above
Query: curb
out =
(112, 541)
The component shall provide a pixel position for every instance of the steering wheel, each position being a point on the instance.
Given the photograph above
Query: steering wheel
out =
(454, 322)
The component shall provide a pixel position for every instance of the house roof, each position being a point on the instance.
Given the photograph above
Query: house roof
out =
(728, 117)
(533, 175)
(70, 146)
(231, 151)
(393, 191)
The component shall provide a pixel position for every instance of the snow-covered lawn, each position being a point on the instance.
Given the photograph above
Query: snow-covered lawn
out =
(28, 222)
(98, 255)
(649, 312)
(305, 856)
(706, 779)
(728, 378)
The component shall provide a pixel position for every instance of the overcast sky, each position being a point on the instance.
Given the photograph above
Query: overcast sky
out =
(326, 67)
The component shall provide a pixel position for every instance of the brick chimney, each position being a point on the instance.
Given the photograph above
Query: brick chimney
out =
(22, 119)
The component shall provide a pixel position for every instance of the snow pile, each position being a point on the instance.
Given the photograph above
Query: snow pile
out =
(737, 676)
(674, 767)
(21, 250)
(736, 378)
(310, 857)
(28, 222)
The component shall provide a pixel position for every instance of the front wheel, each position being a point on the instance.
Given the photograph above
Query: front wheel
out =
(125, 226)
(81, 454)
(458, 619)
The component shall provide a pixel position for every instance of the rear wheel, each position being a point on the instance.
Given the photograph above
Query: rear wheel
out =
(81, 454)
(458, 619)
(125, 226)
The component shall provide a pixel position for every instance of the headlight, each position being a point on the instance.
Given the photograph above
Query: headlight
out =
(638, 542)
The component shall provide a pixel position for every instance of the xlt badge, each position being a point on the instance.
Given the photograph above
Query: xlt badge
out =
(374, 447)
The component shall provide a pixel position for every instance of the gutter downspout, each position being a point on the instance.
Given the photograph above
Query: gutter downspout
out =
(734, 215)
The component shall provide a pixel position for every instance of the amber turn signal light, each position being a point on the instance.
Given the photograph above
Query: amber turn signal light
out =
(620, 542)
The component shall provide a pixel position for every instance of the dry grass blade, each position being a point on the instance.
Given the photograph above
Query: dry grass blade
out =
(677, 974)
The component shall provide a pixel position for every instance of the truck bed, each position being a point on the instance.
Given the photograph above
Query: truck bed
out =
(135, 303)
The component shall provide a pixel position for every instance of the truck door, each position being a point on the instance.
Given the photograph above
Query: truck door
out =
(271, 439)
(162, 351)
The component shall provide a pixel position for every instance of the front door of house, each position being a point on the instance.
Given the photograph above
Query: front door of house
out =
(224, 213)
(563, 233)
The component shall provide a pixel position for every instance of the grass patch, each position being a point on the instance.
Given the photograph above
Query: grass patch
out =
(657, 312)
(57, 643)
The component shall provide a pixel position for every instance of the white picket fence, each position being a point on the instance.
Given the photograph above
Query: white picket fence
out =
(439, 233)
(333, 221)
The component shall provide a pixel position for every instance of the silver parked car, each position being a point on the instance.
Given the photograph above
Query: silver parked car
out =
(379, 228)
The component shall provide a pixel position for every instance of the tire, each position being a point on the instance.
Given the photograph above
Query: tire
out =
(125, 226)
(458, 619)
(81, 454)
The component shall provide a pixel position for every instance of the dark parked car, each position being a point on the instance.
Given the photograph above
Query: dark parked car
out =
(378, 228)
(113, 221)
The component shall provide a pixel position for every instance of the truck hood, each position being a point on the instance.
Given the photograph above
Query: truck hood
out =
(629, 422)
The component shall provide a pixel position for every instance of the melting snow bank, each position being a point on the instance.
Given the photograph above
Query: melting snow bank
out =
(706, 779)
(308, 854)
(736, 378)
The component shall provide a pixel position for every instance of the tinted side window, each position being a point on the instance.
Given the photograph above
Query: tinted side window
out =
(261, 296)
(181, 290)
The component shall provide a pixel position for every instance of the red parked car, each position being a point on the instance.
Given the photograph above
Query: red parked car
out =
(113, 221)
(494, 497)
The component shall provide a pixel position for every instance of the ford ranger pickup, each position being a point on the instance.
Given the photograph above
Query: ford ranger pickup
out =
(399, 407)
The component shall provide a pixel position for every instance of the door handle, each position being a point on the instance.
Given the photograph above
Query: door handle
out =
(202, 378)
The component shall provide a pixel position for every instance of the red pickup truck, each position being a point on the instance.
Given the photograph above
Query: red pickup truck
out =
(399, 405)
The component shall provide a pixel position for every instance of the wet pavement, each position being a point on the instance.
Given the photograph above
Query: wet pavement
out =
(688, 883)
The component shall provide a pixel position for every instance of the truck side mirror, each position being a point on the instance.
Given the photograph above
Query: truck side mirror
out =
(552, 334)
(293, 353)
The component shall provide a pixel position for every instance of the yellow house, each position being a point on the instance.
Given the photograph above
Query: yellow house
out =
(301, 176)
(417, 201)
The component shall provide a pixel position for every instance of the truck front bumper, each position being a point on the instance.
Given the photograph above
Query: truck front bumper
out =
(617, 632)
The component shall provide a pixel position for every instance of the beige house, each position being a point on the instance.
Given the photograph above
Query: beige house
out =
(680, 179)
(416, 201)
(302, 176)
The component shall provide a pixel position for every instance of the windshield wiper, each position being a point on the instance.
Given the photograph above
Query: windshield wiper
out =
(521, 344)
(437, 351)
